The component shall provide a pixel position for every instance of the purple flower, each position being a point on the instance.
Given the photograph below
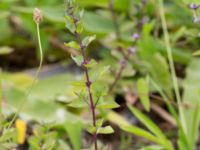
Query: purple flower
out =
(194, 6)
(131, 50)
(136, 36)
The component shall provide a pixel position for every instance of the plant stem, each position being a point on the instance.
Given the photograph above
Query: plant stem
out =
(88, 84)
(171, 63)
(122, 66)
(118, 75)
(34, 80)
(1, 94)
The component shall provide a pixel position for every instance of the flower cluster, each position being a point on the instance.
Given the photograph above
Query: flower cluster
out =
(37, 15)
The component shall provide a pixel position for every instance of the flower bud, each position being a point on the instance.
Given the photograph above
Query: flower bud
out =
(131, 50)
(37, 15)
(135, 36)
(194, 6)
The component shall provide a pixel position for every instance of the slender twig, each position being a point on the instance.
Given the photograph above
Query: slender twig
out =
(118, 75)
(171, 63)
(1, 94)
(122, 66)
(37, 21)
(88, 85)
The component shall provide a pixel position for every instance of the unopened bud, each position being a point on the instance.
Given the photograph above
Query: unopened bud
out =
(131, 50)
(135, 36)
(194, 6)
(37, 15)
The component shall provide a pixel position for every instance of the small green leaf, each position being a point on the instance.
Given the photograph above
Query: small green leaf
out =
(143, 91)
(81, 13)
(78, 104)
(74, 132)
(99, 123)
(73, 45)
(79, 28)
(87, 40)
(77, 59)
(70, 24)
(91, 63)
(98, 73)
(78, 83)
(108, 105)
(140, 132)
(152, 127)
(105, 130)
(91, 129)
(117, 119)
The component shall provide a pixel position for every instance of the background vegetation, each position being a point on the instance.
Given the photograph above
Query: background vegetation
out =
(142, 58)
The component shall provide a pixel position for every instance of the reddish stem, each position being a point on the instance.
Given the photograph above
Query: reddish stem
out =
(88, 84)
(120, 71)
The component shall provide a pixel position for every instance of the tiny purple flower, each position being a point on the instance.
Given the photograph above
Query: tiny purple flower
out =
(194, 6)
(123, 62)
(131, 50)
(136, 36)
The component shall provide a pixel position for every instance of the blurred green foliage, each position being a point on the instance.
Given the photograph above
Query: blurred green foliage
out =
(52, 100)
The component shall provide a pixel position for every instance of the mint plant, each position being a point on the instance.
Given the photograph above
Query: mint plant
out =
(93, 94)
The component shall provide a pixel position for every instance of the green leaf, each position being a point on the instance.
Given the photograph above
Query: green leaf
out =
(143, 91)
(34, 109)
(191, 97)
(117, 119)
(97, 24)
(1, 95)
(140, 132)
(91, 129)
(162, 77)
(77, 59)
(73, 45)
(99, 123)
(87, 40)
(147, 122)
(62, 145)
(74, 132)
(80, 84)
(79, 28)
(105, 130)
(91, 63)
(99, 72)
(152, 127)
(70, 24)
(107, 105)
(79, 103)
